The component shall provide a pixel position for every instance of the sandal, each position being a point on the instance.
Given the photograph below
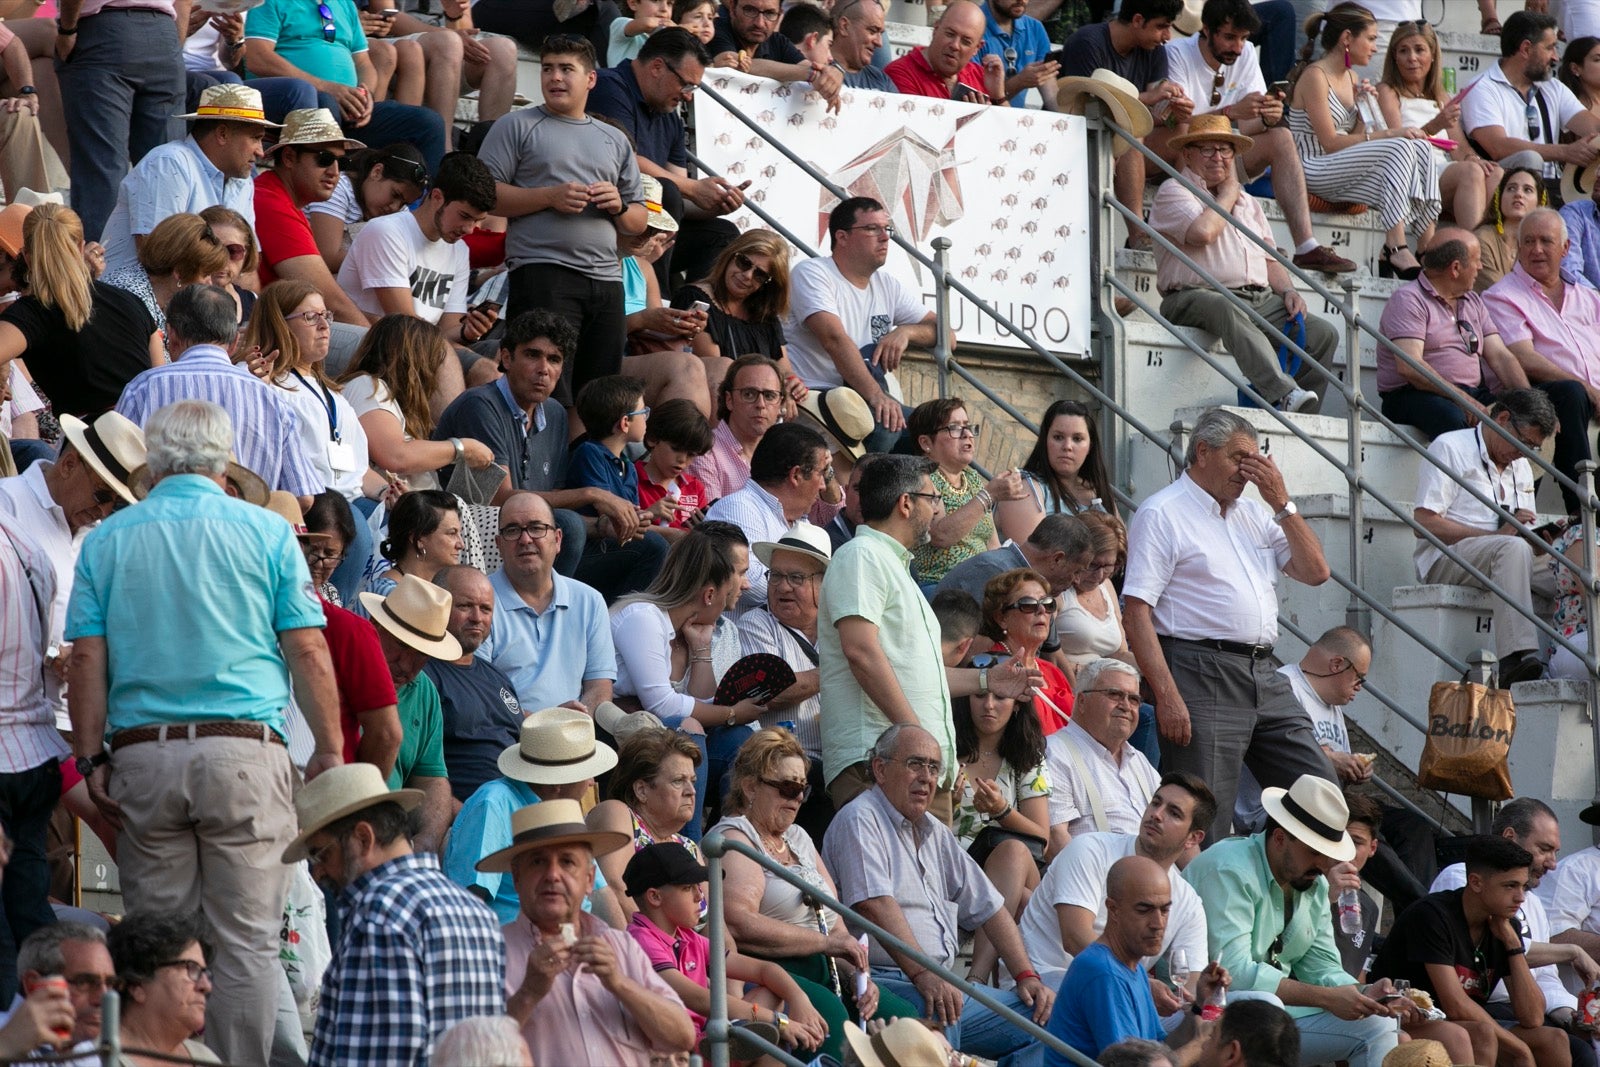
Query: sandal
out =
(1490, 27)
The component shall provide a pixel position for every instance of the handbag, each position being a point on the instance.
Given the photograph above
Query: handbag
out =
(1470, 727)
(989, 839)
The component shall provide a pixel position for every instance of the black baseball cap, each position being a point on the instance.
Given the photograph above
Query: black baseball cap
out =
(664, 863)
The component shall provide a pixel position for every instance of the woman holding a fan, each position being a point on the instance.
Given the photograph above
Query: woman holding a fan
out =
(671, 652)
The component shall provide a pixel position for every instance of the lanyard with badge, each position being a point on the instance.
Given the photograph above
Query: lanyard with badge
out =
(341, 457)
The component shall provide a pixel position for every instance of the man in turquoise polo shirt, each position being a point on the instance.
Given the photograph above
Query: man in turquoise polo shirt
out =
(879, 638)
(189, 613)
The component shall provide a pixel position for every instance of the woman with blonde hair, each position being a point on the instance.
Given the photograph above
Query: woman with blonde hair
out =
(180, 251)
(90, 339)
(292, 327)
(388, 383)
(1411, 94)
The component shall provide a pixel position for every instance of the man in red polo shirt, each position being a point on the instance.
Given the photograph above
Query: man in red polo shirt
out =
(305, 170)
(945, 69)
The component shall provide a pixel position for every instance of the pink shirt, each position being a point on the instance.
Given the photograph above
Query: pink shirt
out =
(1452, 337)
(684, 951)
(578, 1023)
(913, 76)
(1568, 336)
(1232, 259)
(724, 470)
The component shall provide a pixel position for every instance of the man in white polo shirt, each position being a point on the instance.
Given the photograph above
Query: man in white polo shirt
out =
(1099, 782)
(1068, 908)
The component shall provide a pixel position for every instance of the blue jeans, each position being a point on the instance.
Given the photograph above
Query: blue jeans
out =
(26, 451)
(981, 1031)
(392, 122)
(347, 576)
(1276, 38)
(26, 800)
(617, 570)
(279, 96)
(119, 87)
(1324, 1038)
(573, 537)
(1146, 738)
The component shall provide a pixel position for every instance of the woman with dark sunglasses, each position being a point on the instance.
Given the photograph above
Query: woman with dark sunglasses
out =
(1019, 613)
(181, 250)
(376, 181)
(774, 920)
(243, 256)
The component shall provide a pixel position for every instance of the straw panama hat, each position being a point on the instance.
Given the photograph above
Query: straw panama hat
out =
(337, 792)
(113, 448)
(229, 102)
(1213, 127)
(283, 504)
(903, 1043)
(246, 483)
(549, 823)
(1419, 1053)
(657, 218)
(415, 613)
(802, 537)
(622, 725)
(556, 746)
(312, 126)
(843, 415)
(1117, 93)
(1577, 182)
(1313, 810)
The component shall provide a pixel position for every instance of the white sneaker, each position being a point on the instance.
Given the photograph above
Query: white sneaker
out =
(1298, 400)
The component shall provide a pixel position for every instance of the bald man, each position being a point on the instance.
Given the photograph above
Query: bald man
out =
(481, 713)
(1105, 997)
(945, 68)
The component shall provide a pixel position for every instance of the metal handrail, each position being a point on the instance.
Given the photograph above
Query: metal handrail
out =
(717, 1026)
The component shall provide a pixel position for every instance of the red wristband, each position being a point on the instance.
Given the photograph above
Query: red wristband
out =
(1021, 975)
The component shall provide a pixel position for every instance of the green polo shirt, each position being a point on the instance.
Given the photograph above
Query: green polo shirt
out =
(421, 752)
(870, 577)
(1244, 915)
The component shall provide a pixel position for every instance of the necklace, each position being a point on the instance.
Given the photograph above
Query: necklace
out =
(774, 845)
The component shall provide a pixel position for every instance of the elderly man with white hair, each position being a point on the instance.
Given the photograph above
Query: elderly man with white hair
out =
(1099, 782)
(189, 613)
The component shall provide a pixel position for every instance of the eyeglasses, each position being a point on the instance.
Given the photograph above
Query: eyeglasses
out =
(237, 252)
(327, 158)
(313, 318)
(984, 660)
(1216, 85)
(752, 395)
(1033, 605)
(198, 972)
(874, 229)
(1221, 151)
(635, 414)
(919, 765)
(959, 430)
(315, 856)
(745, 265)
(1469, 336)
(512, 531)
(102, 497)
(685, 86)
(794, 578)
(324, 559)
(330, 29)
(789, 790)
(927, 496)
(1116, 696)
(1095, 567)
(91, 983)
(755, 14)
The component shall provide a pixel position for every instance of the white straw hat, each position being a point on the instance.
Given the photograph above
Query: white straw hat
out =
(1314, 811)
(340, 791)
(417, 613)
(556, 746)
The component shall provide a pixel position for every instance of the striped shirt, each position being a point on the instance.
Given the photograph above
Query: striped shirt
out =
(416, 955)
(28, 736)
(266, 428)
(26, 498)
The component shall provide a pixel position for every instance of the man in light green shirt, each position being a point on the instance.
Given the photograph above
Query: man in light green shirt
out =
(878, 639)
(1244, 883)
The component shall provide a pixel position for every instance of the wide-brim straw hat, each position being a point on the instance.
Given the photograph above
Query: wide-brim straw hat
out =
(547, 824)
(1117, 93)
(843, 416)
(1314, 811)
(230, 102)
(658, 217)
(113, 448)
(621, 724)
(416, 613)
(340, 791)
(312, 126)
(1212, 127)
(249, 485)
(1577, 182)
(1419, 1052)
(903, 1043)
(556, 746)
(802, 537)
(286, 506)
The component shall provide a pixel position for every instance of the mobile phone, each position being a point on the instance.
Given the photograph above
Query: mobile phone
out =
(700, 306)
(387, 13)
(1278, 89)
(488, 306)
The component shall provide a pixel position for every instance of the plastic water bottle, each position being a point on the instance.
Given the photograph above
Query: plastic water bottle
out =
(1350, 912)
(1448, 75)
(1215, 1004)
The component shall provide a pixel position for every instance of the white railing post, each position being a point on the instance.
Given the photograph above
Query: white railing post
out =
(1586, 506)
(1357, 615)
(717, 1022)
(941, 310)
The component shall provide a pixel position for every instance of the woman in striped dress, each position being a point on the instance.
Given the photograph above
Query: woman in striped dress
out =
(1345, 160)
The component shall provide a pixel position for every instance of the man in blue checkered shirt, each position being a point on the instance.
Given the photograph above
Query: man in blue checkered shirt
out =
(416, 953)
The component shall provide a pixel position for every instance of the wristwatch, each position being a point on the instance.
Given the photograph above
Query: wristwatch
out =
(1284, 512)
(27, 90)
(983, 681)
(85, 765)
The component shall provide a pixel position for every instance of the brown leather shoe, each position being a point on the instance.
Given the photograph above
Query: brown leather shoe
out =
(1322, 259)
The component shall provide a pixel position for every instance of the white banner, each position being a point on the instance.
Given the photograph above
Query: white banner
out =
(1008, 186)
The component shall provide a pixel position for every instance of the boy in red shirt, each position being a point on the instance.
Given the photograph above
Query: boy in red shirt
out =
(676, 433)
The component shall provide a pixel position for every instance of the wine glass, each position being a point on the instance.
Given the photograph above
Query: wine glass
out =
(1178, 969)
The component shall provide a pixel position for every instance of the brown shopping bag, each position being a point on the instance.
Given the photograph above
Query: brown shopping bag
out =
(1470, 727)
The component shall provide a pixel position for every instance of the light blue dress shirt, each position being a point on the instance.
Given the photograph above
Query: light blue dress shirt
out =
(549, 655)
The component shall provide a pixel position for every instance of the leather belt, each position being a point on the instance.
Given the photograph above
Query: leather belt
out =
(250, 731)
(1235, 648)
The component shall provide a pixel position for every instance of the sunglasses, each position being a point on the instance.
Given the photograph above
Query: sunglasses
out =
(985, 660)
(406, 170)
(1033, 605)
(330, 29)
(745, 265)
(1216, 85)
(326, 158)
(789, 790)
(237, 252)
(1469, 336)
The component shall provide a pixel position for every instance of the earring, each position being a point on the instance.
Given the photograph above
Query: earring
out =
(1346, 57)
(422, 551)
